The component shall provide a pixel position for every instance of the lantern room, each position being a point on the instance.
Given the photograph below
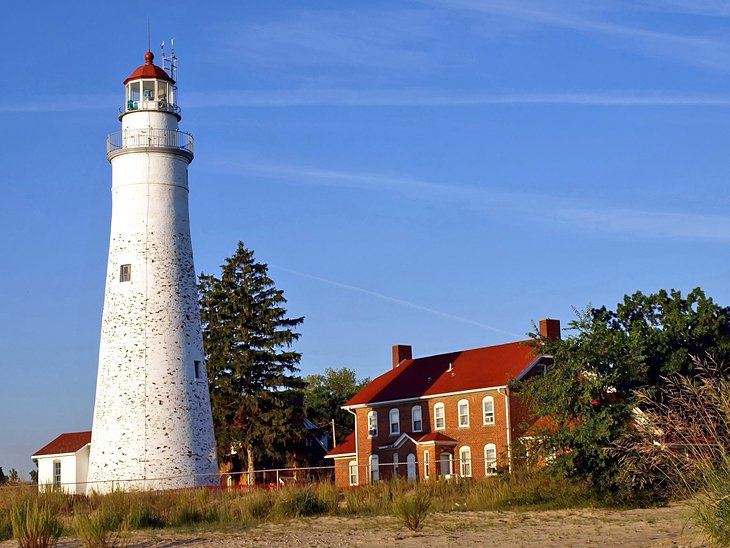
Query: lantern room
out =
(149, 88)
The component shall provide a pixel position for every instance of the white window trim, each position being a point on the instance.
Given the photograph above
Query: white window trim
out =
(426, 465)
(352, 467)
(394, 413)
(57, 475)
(411, 467)
(436, 407)
(373, 424)
(465, 470)
(395, 465)
(413, 418)
(374, 468)
(458, 408)
(485, 419)
(487, 460)
(449, 459)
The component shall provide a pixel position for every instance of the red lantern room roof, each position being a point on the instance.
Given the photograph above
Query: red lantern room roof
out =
(149, 70)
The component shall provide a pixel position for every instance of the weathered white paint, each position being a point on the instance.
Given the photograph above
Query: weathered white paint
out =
(152, 425)
(74, 468)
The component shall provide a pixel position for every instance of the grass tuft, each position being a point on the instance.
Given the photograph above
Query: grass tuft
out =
(34, 525)
(412, 509)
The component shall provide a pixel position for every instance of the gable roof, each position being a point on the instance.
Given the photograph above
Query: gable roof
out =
(65, 443)
(487, 367)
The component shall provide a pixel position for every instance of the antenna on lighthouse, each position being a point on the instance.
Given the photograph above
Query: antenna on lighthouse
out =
(169, 64)
(162, 49)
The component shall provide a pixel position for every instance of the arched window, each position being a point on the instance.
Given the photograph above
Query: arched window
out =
(353, 472)
(439, 419)
(394, 422)
(465, 462)
(411, 466)
(373, 424)
(463, 413)
(416, 419)
(490, 459)
(374, 468)
(488, 409)
(395, 465)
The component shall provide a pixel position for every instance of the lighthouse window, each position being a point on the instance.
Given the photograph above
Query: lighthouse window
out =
(125, 272)
(197, 365)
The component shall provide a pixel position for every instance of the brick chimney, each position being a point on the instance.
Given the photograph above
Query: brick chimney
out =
(401, 352)
(550, 329)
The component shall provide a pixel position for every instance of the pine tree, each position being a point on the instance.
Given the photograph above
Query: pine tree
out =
(256, 394)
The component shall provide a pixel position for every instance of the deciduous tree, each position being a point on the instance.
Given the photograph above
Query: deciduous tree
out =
(324, 394)
(588, 392)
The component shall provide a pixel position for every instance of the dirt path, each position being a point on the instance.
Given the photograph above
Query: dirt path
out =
(628, 528)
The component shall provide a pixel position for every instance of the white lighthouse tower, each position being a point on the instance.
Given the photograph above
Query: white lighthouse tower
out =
(152, 427)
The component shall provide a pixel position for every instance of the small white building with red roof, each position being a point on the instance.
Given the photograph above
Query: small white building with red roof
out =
(449, 415)
(64, 463)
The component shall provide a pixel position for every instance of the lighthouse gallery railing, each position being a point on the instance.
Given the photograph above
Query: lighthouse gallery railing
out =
(149, 138)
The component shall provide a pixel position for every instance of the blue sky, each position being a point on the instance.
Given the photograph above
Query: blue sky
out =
(438, 173)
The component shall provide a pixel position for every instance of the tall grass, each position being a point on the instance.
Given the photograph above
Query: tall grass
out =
(681, 444)
(34, 525)
(102, 520)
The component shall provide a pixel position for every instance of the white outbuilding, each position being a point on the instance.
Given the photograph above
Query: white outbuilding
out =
(64, 463)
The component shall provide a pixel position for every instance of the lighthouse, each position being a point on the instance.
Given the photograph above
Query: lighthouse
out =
(152, 427)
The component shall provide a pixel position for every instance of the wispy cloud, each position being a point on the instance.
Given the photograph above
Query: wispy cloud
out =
(540, 208)
(590, 19)
(389, 38)
(442, 98)
(413, 97)
(395, 300)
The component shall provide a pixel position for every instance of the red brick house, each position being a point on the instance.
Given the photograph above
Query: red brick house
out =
(450, 415)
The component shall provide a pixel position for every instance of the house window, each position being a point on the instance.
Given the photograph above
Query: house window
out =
(488, 409)
(490, 459)
(353, 472)
(125, 272)
(426, 465)
(416, 418)
(465, 462)
(447, 466)
(374, 468)
(541, 369)
(394, 422)
(395, 465)
(373, 424)
(198, 366)
(439, 422)
(57, 473)
(411, 466)
(463, 414)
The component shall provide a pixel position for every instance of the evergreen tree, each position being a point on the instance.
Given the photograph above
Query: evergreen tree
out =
(3, 477)
(256, 394)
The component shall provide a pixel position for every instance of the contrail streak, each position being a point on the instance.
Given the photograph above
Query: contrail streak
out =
(395, 300)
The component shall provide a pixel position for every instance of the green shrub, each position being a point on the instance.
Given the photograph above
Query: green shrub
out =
(295, 503)
(101, 529)
(6, 528)
(412, 509)
(329, 496)
(34, 525)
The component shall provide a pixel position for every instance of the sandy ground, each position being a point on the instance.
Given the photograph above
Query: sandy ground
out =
(647, 527)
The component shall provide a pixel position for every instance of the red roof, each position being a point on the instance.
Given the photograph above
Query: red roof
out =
(487, 367)
(65, 443)
(345, 447)
(148, 70)
(436, 437)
